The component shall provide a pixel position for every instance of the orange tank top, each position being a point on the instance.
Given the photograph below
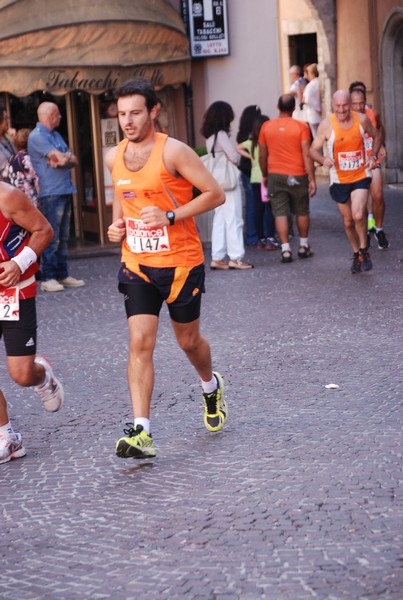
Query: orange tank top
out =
(170, 246)
(346, 147)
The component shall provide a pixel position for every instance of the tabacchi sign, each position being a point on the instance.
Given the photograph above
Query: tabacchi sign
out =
(91, 81)
(208, 28)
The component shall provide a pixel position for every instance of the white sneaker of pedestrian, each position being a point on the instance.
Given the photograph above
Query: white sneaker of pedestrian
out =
(11, 447)
(72, 282)
(51, 392)
(51, 285)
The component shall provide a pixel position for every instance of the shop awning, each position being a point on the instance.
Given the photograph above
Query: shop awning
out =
(90, 45)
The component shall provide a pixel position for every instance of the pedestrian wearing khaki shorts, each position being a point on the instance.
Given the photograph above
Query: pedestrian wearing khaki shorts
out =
(288, 172)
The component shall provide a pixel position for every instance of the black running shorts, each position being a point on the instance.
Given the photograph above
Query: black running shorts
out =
(20, 336)
(145, 298)
(341, 192)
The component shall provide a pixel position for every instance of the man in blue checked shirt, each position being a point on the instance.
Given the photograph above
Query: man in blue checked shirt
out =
(53, 160)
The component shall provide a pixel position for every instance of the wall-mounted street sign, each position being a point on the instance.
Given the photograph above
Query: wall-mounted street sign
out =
(208, 28)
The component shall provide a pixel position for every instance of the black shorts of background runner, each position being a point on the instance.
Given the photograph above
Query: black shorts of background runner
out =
(341, 192)
(142, 297)
(20, 336)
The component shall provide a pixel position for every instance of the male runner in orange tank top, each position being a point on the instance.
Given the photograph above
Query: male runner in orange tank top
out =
(162, 256)
(376, 201)
(350, 170)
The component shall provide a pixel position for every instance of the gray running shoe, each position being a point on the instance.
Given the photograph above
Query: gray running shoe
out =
(51, 393)
(11, 447)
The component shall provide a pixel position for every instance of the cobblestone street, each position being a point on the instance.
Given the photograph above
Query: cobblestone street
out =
(297, 498)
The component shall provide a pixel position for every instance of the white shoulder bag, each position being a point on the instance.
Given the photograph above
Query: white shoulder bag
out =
(221, 168)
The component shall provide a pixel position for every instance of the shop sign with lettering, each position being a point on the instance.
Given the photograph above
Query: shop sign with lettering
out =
(208, 28)
(93, 81)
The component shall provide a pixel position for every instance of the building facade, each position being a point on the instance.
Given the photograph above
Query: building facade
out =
(75, 54)
(351, 41)
(78, 52)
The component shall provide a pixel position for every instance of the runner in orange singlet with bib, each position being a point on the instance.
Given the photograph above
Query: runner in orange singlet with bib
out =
(162, 256)
(350, 170)
(376, 202)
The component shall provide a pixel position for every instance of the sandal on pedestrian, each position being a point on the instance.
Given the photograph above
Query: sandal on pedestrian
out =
(286, 256)
(220, 265)
(239, 264)
(304, 252)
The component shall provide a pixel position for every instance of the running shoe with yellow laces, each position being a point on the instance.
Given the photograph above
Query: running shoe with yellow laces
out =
(137, 443)
(215, 407)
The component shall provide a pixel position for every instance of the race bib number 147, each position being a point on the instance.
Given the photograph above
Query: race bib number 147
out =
(141, 238)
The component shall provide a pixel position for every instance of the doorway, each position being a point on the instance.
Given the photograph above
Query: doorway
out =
(303, 49)
(392, 90)
(87, 205)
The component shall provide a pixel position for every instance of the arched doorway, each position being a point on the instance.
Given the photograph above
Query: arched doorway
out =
(392, 92)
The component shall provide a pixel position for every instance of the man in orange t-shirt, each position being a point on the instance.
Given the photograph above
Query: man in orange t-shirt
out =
(289, 174)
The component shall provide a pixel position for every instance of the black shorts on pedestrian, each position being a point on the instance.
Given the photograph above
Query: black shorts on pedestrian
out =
(288, 194)
(341, 192)
(20, 336)
(179, 288)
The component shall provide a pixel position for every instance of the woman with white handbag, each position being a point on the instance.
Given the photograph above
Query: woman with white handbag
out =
(227, 232)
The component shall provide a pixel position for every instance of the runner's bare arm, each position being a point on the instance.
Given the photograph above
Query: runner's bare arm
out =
(376, 135)
(379, 125)
(316, 149)
(15, 206)
(181, 160)
(116, 230)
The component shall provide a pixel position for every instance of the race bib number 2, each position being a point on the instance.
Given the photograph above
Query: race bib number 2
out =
(141, 238)
(9, 305)
(350, 161)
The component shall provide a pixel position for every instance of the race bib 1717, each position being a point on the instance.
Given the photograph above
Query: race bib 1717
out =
(350, 161)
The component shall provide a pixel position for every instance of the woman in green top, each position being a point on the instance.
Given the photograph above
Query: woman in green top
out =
(264, 219)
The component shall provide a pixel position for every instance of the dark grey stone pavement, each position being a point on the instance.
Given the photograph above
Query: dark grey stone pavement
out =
(297, 498)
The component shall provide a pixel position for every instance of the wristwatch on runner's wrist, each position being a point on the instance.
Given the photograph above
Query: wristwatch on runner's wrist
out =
(170, 216)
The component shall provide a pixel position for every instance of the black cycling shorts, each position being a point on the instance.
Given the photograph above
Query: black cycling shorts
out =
(20, 336)
(146, 297)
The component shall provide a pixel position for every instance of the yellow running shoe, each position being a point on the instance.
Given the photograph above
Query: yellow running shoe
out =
(136, 444)
(215, 407)
(371, 224)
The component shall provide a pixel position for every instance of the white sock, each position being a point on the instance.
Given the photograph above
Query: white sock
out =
(378, 229)
(303, 242)
(209, 386)
(145, 423)
(285, 247)
(370, 216)
(7, 430)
